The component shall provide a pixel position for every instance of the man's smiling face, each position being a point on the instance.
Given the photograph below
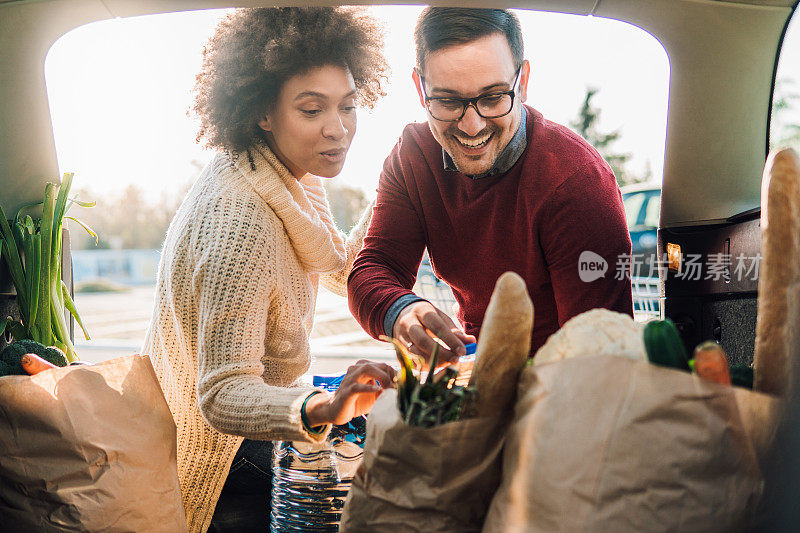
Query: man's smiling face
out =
(468, 70)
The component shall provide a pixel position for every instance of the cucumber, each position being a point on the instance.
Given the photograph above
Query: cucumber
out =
(664, 345)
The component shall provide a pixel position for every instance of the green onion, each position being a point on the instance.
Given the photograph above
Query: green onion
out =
(432, 403)
(13, 260)
(32, 250)
(83, 224)
(71, 307)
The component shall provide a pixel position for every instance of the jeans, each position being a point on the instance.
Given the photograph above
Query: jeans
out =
(244, 504)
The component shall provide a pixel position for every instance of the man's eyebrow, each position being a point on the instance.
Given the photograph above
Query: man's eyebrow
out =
(316, 94)
(494, 86)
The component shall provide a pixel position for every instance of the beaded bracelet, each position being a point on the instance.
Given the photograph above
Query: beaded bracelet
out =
(304, 418)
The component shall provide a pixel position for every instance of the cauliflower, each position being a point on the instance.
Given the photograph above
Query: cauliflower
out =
(595, 332)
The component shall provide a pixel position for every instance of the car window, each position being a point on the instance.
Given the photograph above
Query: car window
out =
(652, 212)
(119, 91)
(633, 203)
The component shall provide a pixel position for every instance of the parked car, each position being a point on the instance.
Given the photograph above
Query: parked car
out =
(642, 208)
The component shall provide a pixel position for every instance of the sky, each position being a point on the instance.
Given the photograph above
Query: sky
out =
(119, 93)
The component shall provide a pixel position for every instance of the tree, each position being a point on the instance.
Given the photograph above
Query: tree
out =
(126, 220)
(783, 130)
(587, 126)
(347, 203)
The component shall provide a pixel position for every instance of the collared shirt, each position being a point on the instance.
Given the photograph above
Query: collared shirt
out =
(510, 154)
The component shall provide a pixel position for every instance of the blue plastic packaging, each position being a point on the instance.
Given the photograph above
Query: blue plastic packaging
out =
(329, 382)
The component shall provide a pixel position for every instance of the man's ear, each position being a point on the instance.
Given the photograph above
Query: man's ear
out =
(264, 123)
(418, 85)
(524, 76)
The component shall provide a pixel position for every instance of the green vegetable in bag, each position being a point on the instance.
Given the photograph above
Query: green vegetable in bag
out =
(433, 402)
(32, 250)
(664, 345)
(11, 356)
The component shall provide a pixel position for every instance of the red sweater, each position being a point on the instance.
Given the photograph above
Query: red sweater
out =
(559, 199)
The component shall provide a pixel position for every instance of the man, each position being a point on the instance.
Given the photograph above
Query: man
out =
(487, 185)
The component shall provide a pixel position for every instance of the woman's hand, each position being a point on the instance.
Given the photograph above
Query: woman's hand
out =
(360, 387)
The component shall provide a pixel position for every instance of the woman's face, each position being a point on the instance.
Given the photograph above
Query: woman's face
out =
(313, 122)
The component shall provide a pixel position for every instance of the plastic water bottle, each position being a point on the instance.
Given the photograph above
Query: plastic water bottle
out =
(465, 364)
(311, 480)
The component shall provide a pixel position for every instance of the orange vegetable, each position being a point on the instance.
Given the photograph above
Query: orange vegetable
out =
(711, 363)
(33, 364)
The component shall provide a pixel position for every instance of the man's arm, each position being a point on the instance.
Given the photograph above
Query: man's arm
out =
(379, 286)
(386, 267)
(583, 228)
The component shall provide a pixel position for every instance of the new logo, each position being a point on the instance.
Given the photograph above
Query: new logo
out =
(591, 266)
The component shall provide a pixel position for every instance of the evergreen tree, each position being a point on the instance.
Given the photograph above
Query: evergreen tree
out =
(783, 131)
(587, 124)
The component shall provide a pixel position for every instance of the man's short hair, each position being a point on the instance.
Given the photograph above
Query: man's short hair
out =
(440, 27)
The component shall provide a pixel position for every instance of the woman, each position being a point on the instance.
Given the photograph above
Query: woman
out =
(243, 256)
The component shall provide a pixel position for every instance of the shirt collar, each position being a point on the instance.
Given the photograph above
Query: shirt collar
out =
(508, 157)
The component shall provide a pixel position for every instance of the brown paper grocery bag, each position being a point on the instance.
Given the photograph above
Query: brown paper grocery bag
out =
(602, 443)
(88, 448)
(423, 479)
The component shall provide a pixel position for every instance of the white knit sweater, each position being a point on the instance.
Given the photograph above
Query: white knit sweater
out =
(229, 337)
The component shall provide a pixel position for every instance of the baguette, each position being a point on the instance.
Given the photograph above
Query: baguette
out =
(503, 346)
(778, 318)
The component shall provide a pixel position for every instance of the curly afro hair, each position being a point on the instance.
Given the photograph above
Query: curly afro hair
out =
(253, 52)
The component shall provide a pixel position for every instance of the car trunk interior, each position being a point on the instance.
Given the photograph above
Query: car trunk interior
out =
(723, 57)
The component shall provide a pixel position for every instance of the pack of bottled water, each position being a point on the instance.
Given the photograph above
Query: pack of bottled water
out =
(311, 480)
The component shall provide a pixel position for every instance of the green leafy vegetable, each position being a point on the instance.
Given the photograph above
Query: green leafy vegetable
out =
(433, 402)
(32, 250)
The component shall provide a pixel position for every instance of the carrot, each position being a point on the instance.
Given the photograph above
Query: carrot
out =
(33, 364)
(711, 363)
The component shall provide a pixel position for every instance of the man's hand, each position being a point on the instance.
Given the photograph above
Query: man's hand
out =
(419, 323)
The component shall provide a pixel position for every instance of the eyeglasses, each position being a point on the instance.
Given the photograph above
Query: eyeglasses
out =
(452, 109)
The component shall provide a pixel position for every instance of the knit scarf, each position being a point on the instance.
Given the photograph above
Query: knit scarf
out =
(301, 205)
